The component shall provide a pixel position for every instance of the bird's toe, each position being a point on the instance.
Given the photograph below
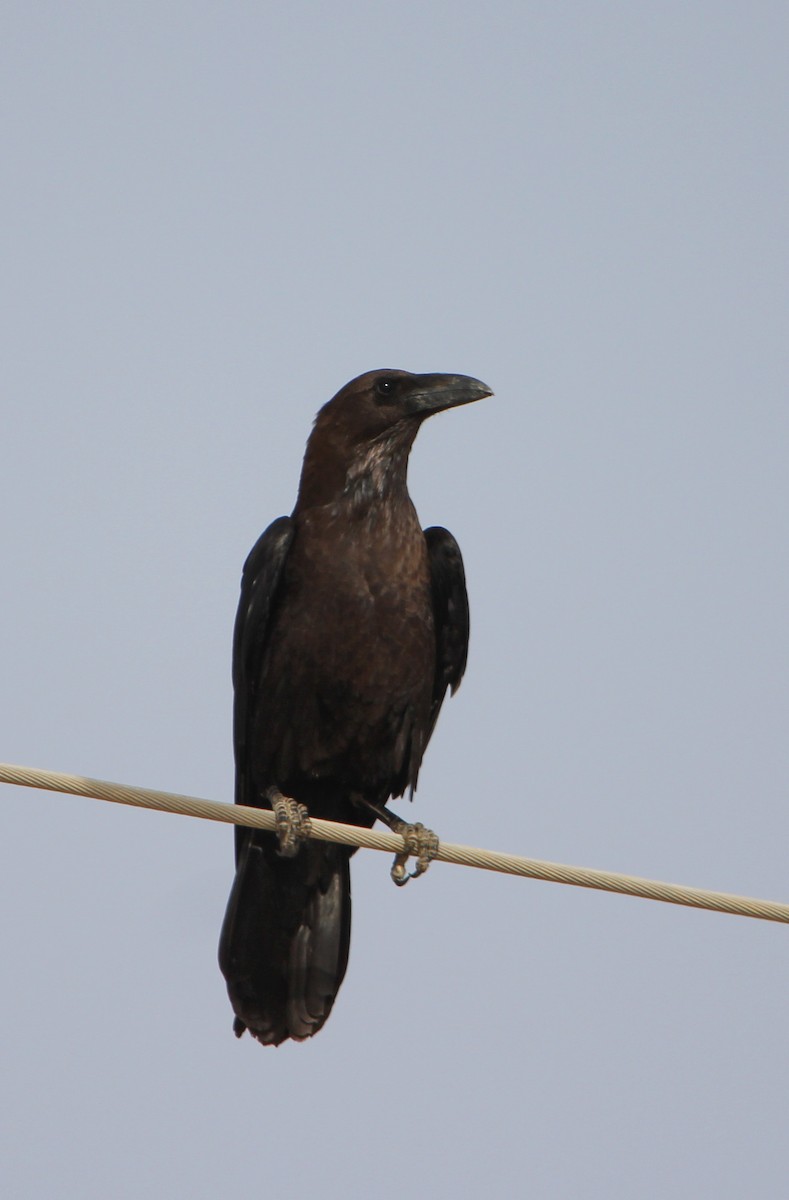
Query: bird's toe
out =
(293, 822)
(421, 844)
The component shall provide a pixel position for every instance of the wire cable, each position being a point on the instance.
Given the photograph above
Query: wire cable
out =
(392, 843)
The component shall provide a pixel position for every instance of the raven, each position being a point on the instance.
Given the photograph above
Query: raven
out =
(352, 624)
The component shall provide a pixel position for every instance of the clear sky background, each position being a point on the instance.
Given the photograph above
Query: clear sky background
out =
(213, 215)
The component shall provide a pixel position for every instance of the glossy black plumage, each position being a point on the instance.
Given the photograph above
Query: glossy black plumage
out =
(352, 624)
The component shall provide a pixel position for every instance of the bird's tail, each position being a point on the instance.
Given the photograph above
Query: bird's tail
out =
(284, 943)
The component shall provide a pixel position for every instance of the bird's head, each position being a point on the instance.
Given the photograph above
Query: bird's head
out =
(366, 431)
(376, 402)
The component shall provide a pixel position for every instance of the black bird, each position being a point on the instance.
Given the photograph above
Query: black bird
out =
(352, 624)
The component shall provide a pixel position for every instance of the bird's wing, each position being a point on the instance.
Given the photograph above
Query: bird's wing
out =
(450, 614)
(260, 582)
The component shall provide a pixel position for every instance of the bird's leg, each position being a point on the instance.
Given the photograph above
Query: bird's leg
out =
(383, 813)
(293, 822)
(421, 843)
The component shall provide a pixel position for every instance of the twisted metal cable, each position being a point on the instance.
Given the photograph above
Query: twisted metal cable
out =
(393, 843)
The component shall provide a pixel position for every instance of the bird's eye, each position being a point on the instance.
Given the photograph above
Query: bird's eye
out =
(386, 388)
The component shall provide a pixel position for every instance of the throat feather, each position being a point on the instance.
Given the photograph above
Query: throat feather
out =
(376, 474)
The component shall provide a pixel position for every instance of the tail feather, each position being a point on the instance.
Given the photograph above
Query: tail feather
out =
(284, 943)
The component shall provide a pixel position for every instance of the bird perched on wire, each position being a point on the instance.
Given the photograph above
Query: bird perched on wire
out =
(352, 624)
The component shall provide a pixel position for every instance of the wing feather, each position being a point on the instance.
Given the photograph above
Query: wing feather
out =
(260, 584)
(450, 614)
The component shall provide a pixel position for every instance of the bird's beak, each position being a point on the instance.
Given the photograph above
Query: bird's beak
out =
(433, 393)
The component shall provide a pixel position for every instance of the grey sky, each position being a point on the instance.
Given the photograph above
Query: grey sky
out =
(213, 216)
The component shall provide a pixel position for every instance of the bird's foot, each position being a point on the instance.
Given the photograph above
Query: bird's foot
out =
(421, 843)
(293, 822)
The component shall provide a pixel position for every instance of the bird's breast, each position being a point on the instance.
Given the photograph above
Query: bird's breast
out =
(364, 586)
(352, 656)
